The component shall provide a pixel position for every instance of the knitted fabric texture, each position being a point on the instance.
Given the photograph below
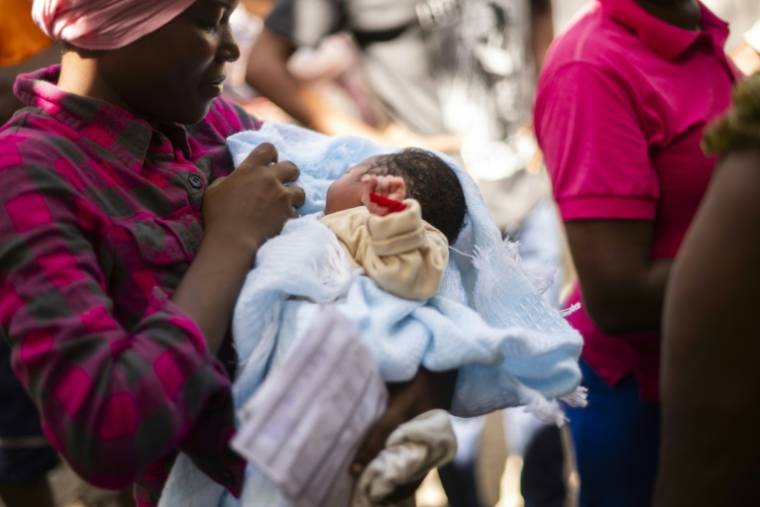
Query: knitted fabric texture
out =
(487, 320)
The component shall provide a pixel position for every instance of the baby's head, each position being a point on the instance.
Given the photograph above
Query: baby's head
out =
(429, 180)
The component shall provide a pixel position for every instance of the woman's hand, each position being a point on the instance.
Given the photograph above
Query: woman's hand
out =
(240, 213)
(252, 204)
(426, 391)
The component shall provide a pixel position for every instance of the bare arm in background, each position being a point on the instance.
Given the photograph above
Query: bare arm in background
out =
(711, 344)
(542, 30)
(623, 288)
(746, 58)
(269, 74)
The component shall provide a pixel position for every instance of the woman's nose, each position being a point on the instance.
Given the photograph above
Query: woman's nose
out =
(228, 49)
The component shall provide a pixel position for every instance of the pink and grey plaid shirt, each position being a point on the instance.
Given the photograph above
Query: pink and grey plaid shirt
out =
(101, 217)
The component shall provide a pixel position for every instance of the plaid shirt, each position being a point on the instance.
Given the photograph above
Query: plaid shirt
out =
(101, 217)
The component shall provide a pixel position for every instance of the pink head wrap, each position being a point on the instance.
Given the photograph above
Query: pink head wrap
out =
(104, 24)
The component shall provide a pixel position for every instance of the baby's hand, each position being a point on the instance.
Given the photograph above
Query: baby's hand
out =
(392, 187)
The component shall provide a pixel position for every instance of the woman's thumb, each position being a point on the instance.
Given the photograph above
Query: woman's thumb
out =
(217, 181)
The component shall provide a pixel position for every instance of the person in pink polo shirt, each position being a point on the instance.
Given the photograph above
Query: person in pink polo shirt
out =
(620, 109)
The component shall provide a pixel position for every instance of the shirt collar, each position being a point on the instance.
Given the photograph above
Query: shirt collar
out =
(128, 137)
(665, 39)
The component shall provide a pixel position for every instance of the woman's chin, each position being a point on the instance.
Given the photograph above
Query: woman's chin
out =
(191, 116)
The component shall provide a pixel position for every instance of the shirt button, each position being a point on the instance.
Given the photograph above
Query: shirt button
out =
(195, 181)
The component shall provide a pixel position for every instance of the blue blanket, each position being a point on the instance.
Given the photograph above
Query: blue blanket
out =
(487, 320)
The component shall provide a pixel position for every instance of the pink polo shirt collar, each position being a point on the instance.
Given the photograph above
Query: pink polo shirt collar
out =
(669, 41)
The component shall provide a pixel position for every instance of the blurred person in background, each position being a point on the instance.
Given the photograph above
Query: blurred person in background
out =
(710, 383)
(330, 69)
(246, 22)
(741, 14)
(747, 55)
(621, 106)
(426, 63)
(25, 456)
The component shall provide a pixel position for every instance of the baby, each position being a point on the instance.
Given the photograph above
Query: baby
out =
(396, 215)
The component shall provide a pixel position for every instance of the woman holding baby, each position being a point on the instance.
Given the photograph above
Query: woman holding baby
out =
(125, 238)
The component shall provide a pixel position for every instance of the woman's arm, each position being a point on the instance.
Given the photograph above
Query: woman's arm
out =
(115, 398)
(710, 377)
(541, 30)
(623, 287)
(426, 391)
(268, 73)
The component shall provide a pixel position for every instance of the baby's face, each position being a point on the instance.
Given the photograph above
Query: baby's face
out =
(346, 192)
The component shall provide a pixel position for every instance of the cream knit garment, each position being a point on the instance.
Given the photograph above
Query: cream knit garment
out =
(403, 254)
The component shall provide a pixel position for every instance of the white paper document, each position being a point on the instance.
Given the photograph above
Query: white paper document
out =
(303, 426)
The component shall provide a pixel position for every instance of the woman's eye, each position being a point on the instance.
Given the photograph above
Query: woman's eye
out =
(210, 23)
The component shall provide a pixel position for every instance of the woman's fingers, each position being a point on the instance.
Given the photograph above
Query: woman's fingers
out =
(253, 203)
(263, 155)
(217, 182)
(297, 196)
(286, 171)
